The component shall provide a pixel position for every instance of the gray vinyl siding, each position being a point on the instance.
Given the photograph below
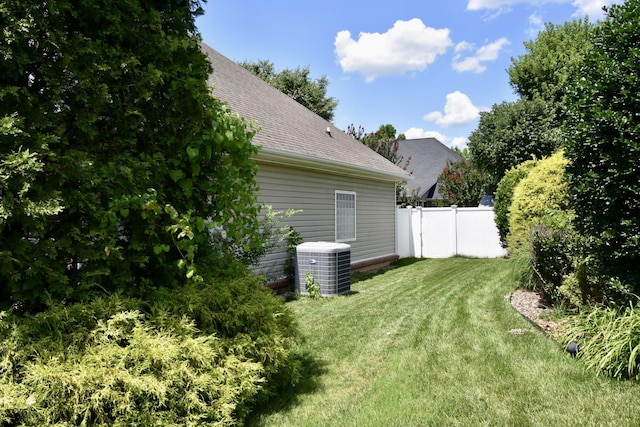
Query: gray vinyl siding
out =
(313, 194)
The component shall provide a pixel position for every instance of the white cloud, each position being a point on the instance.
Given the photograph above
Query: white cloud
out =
(475, 63)
(501, 4)
(415, 133)
(459, 142)
(536, 24)
(408, 46)
(591, 8)
(462, 46)
(458, 110)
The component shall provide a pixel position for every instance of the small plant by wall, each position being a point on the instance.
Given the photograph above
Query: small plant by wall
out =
(311, 286)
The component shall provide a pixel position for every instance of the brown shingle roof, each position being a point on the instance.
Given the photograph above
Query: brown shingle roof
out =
(288, 129)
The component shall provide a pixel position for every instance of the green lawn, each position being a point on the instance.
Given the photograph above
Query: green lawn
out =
(429, 343)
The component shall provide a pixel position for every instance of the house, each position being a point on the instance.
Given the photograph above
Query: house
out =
(428, 157)
(345, 191)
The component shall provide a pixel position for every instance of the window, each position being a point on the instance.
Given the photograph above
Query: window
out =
(345, 216)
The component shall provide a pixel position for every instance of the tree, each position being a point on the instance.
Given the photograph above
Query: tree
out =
(603, 144)
(19, 169)
(123, 142)
(383, 142)
(462, 184)
(511, 133)
(555, 54)
(531, 126)
(464, 152)
(297, 85)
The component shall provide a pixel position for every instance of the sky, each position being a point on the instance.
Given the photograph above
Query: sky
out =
(427, 67)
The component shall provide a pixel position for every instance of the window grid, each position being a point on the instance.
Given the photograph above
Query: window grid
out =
(345, 216)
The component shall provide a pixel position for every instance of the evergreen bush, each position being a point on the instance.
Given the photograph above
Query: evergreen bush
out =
(184, 357)
(242, 312)
(603, 109)
(504, 196)
(541, 194)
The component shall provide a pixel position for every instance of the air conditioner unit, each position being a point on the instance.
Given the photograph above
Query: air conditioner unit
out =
(329, 263)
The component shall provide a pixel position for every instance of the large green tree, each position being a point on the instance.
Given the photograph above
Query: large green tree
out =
(126, 149)
(603, 144)
(511, 133)
(550, 60)
(298, 85)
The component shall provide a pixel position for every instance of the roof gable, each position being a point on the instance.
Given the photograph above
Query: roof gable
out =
(428, 157)
(289, 131)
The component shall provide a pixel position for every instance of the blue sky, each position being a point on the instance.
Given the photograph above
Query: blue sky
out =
(426, 67)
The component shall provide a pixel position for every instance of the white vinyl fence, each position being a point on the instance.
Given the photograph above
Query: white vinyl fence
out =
(446, 232)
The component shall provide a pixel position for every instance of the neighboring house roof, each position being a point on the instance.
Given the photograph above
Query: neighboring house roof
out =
(428, 158)
(290, 133)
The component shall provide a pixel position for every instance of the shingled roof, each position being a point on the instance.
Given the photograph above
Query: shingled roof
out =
(428, 157)
(291, 133)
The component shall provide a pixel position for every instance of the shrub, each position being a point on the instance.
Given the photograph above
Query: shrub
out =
(504, 196)
(609, 340)
(543, 192)
(195, 355)
(462, 183)
(563, 271)
(551, 259)
(242, 312)
(125, 369)
(603, 108)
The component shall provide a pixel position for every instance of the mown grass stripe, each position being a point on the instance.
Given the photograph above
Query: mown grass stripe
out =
(429, 344)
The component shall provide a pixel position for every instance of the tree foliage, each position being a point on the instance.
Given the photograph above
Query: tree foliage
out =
(603, 144)
(462, 183)
(125, 148)
(298, 85)
(550, 60)
(511, 133)
(384, 142)
(19, 169)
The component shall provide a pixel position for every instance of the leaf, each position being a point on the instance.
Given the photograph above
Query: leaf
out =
(176, 175)
(193, 152)
(186, 184)
(158, 249)
(124, 213)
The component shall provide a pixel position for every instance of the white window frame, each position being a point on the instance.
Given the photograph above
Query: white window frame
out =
(344, 214)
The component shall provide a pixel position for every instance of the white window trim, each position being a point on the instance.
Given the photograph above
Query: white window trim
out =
(355, 216)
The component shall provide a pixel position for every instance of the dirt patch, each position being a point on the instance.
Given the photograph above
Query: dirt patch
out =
(529, 305)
